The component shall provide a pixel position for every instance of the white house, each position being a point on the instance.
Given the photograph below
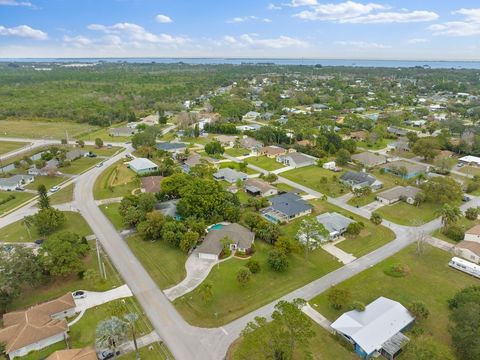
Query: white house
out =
(470, 160)
(331, 165)
(296, 160)
(14, 182)
(142, 166)
(391, 196)
(473, 234)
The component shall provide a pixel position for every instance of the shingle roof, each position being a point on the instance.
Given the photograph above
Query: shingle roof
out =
(370, 159)
(229, 175)
(167, 146)
(398, 192)
(473, 246)
(475, 230)
(87, 353)
(300, 158)
(151, 184)
(259, 184)
(289, 204)
(358, 177)
(334, 222)
(239, 234)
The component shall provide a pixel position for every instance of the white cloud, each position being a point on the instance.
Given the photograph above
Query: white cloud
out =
(15, 3)
(137, 33)
(363, 45)
(469, 26)
(242, 19)
(252, 41)
(23, 31)
(77, 41)
(163, 19)
(360, 13)
(296, 3)
(417, 41)
(274, 7)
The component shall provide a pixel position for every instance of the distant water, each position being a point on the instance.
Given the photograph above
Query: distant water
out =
(238, 61)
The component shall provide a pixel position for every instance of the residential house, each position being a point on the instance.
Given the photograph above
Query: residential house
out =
(473, 234)
(305, 142)
(332, 166)
(400, 145)
(359, 135)
(122, 131)
(286, 207)
(15, 182)
(397, 131)
(241, 240)
(249, 127)
(37, 327)
(50, 169)
(192, 160)
(143, 166)
(259, 187)
(336, 224)
(405, 169)
(230, 175)
(251, 115)
(172, 147)
(470, 160)
(359, 180)
(226, 140)
(369, 159)
(319, 107)
(151, 184)
(272, 151)
(87, 353)
(75, 154)
(469, 250)
(283, 120)
(250, 143)
(404, 193)
(296, 160)
(376, 330)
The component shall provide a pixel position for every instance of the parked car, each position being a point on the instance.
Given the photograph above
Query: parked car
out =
(106, 354)
(55, 189)
(466, 198)
(39, 241)
(99, 164)
(129, 156)
(19, 188)
(79, 294)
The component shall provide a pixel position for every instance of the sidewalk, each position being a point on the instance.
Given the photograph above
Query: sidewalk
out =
(341, 255)
(440, 244)
(317, 317)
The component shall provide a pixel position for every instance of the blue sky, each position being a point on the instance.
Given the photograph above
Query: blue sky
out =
(352, 29)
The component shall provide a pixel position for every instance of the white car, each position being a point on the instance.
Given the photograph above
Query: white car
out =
(99, 165)
(55, 189)
(79, 294)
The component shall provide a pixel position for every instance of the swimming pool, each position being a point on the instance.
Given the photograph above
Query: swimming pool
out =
(216, 227)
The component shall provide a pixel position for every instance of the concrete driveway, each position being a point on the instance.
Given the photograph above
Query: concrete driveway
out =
(374, 205)
(98, 298)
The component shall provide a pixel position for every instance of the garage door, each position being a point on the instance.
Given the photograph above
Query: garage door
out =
(207, 256)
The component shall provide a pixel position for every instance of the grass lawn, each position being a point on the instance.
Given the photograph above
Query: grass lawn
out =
(103, 151)
(470, 170)
(48, 181)
(231, 300)
(288, 188)
(375, 146)
(104, 135)
(323, 346)
(42, 129)
(115, 181)
(237, 152)
(156, 351)
(362, 200)
(20, 198)
(389, 180)
(236, 166)
(111, 212)
(165, 264)
(463, 222)
(80, 165)
(16, 232)
(62, 196)
(61, 285)
(431, 281)
(406, 214)
(7, 146)
(44, 353)
(264, 162)
(311, 176)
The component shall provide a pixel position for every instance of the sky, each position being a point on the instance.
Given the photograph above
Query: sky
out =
(352, 29)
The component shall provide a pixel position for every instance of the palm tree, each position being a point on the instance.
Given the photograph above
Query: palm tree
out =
(28, 222)
(205, 291)
(449, 215)
(131, 320)
(111, 333)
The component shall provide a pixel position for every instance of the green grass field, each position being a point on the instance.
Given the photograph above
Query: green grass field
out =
(236, 166)
(362, 200)
(237, 152)
(42, 129)
(7, 146)
(115, 181)
(20, 198)
(103, 151)
(406, 214)
(165, 264)
(104, 135)
(318, 179)
(17, 232)
(264, 163)
(288, 188)
(111, 212)
(231, 300)
(62, 196)
(431, 281)
(156, 351)
(80, 165)
(470, 170)
(48, 181)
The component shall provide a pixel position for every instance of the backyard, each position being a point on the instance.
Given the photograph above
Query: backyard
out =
(115, 181)
(237, 152)
(319, 179)
(429, 280)
(264, 162)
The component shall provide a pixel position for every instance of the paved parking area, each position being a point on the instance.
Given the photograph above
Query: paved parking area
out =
(98, 298)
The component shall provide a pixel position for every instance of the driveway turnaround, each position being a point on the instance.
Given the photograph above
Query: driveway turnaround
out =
(98, 298)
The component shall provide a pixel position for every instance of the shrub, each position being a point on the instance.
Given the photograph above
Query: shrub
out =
(357, 305)
(419, 310)
(397, 270)
(277, 260)
(354, 228)
(471, 213)
(338, 297)
(253, 266)
(376, 218)
(243, 275)
(454, 232)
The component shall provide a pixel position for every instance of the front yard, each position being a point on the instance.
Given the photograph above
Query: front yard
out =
(264, 162)
(48, 181)
(236, 166)
(237, 152)
(80, 165)
(111, 212)
(319, 179)
(20, 198)
(410, 215)
(430, 280)
(115, 181)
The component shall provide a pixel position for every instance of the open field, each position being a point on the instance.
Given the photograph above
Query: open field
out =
(62, 196)
(288, 188)
(165, 264)
(264, 163)
(362, 200)
(103, 151)
(406, 214)
(7, 146)
(17, 231)
(431, 281)
(42, 129)
(111, 212)
(115, 181)
(103, 134)
(20, 198)
(264, 287)
(48, 181)
(80, 165)
(237, 152)
(317, 178)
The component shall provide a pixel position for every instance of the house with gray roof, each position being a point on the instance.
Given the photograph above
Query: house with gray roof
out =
(336, 224)
(405, 169)
(259, 187)
(143, 166)
(171, 146)
(369, 159)
(376, 330)
(250, 143)
(15, 182)
(230, 175)
(122, 131)
(397, 131)
(359, 180)
(296, 159)
(286, 207)
(241, 239)
(192, 160)
(405, 193)
(75, 154)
